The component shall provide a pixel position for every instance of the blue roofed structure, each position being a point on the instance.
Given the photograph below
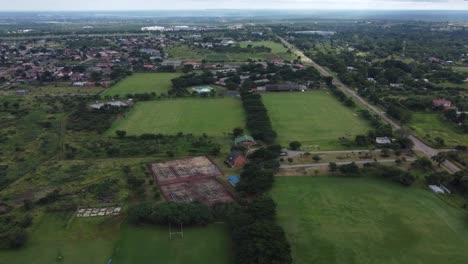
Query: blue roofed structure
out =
(233, 180)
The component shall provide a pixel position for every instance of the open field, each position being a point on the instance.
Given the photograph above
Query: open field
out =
(312, 118)
(89, 240)
(143, 83)
(184, 53)
(365, 220)
(430, 125)
(200, 245)
(97, 239)
(215, 117)
(460, 69)
(452, 85)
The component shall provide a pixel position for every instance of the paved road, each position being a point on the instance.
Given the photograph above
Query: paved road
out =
(418, 144)
(295, 153)
(315, 165)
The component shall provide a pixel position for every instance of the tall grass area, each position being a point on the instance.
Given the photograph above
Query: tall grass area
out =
(185, 52)
(365, 220)
(428, 126)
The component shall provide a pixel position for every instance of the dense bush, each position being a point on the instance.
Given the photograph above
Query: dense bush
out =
(170, 213)
(387, 172)
(85, 119)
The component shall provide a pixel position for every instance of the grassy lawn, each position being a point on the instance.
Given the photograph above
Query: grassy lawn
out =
(364, 220)
(184, 53)
(460, 69)
(84, 241)
(430, 125)
(452, 85)
(312, 118)
(194, 115)
(200, 245)
(143, 83)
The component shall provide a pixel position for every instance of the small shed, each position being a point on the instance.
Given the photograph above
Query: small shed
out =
(233, 180)
(383, 140)
(436, 189)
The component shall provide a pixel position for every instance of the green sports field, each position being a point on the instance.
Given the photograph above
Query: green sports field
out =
(215, 117)
(143, 83)
(312, 118)
(365, 220)
(56, 239)
(200, 245)
(431, 125)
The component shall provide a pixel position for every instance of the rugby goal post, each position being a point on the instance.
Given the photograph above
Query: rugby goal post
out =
(179, 232)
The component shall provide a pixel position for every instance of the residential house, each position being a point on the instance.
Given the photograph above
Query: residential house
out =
(442, 103)
(245, 141)
(235, 159)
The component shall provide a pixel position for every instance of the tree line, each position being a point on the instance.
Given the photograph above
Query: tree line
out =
(258, 121)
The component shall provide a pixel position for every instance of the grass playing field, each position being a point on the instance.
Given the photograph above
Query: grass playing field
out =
(312, 118)
(364, 220)
(98, 239)
(430, 125)
(84, 241)
(200, 245)
(184, 52)
(143, 83)
(193, 115)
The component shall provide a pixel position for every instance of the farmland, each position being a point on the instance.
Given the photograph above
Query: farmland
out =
(143, 83)
(184, 52)
(363, 220)
(215, 117)
(428, 126)
(312, 118)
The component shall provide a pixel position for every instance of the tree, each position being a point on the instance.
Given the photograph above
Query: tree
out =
(439, 141)
(263, 242)
(237, 132)
(17, 238)
(263, 207)
(332, 166)
(295, 145)
(439, 158)
(121, 133)
(349, 168)
(361, 140)
(439, 178)
(422, 163)
(316, 158)
(96, 76)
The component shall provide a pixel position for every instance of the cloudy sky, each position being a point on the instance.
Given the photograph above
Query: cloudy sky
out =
(49, 5)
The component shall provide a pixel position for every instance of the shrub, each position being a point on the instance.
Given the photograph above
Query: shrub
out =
(295, 145)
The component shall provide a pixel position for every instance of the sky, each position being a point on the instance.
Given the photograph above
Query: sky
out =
(112, 5)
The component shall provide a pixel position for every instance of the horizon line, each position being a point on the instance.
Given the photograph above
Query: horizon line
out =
(231, 9)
